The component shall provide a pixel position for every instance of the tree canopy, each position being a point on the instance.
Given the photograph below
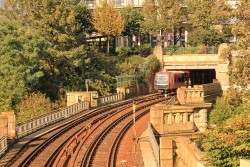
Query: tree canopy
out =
(108, 21)
(132, 17)
(64, 25)
(22, 51)
(171, 16)
(149, 12)
(211, 37)
(228, 141)
(238, 53)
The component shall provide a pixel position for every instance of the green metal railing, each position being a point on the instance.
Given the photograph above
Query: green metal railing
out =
(190, 50)
(126, 80)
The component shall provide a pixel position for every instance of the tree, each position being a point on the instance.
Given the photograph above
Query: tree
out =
(149, 68)
(201, 13)
(64, 24)
(237, 53)
(227, 143)
(149, 12)
(171, 17)
(102, 71)
(132, 17)
(108, 21)
(211, 22)
(221, 111)
(211, 37)
(22, 51)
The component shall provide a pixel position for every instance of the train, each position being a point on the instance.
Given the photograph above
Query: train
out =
(167, 81)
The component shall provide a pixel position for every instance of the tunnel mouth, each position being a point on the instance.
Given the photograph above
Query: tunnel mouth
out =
(202, 76)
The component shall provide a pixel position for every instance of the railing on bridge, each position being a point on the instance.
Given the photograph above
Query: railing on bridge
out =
(111, 98)
(154, 145)
(3, 144)
(191, 50)
(33, 125)
(171, 101)
(43, 121)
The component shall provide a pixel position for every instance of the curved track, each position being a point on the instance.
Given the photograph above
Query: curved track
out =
(89, 140)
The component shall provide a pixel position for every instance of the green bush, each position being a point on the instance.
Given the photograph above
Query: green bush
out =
(220, 111)
(170, 50)
(146, 50)
(123, 50)
(136, 50)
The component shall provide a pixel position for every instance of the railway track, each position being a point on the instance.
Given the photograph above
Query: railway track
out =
(89, 140)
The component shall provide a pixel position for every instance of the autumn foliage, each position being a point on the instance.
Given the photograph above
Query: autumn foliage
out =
(107, 21)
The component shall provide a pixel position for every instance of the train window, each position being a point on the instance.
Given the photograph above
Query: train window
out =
(180, 78)
(161, 79)
(185, 77)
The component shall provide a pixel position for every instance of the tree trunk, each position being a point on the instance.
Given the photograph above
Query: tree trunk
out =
(173, 37)
(108, 43)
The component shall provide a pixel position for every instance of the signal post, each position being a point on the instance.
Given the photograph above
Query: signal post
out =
(134, 108)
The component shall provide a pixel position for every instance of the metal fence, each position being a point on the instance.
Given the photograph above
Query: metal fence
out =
(33, 125)
(190, 50)
(60, 114)
(126, 80)
(154, 145)
(171, 101)
(55, 116)
(3, 144)
(109, 99)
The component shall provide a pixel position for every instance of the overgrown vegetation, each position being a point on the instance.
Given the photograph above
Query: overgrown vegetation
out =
(44, 54)
(228, 141)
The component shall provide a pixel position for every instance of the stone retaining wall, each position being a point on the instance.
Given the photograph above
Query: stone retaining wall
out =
(199, 93)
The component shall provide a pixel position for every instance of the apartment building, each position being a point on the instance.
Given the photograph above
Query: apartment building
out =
(1, 3)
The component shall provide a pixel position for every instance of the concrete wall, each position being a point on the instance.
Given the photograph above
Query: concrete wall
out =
(3, 125)
(199, 93)
(8, 120)
(169, 119)
(181, 152)
(244, 163)
(221, 70)
(76, 97)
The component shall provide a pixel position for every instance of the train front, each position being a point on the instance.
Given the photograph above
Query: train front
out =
(161, 81)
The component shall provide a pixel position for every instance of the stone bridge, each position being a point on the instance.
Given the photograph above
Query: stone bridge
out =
(196, 62)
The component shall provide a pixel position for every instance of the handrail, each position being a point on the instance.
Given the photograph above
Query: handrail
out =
(33, 125)
(3, 144)
(171, 101)
(154, 145)
(42, 121)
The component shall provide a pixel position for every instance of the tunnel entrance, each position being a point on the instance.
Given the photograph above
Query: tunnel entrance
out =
(200, 76)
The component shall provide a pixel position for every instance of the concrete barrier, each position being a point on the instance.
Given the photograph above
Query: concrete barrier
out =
(199, 93)
(244, 162)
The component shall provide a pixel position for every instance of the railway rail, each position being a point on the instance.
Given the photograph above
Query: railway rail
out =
(91, 139)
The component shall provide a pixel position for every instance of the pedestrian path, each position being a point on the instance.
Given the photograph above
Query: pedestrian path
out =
(147, 152)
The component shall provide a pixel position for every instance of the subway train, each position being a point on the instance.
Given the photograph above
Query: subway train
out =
(167, 81)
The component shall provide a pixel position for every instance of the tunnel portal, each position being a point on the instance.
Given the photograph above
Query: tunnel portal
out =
(202, 76)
